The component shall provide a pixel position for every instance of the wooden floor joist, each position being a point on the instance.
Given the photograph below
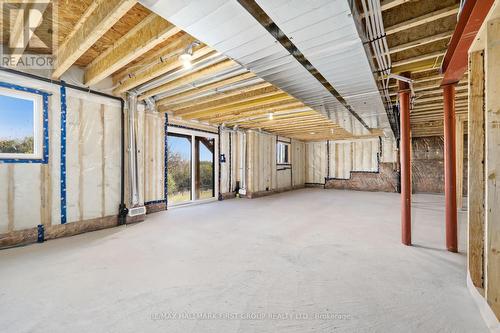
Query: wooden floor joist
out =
(424, 19)
(143, 37)
(160, 68)
(420, 42)
(195, 90)
(192, 76)
(235, 97)
(100, 19)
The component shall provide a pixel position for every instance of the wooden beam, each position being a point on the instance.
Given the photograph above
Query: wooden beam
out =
(259, 111)
(96, 24)
(223, 97)
(217, 112)
(459, 160)
(424, 19)
(150, 32)
(418, 58)
(492, 158)
(237, 99)
(193, 76)
(420, 42)
(388, 4)
(161, 67)
(437, 98)
(286, 114)
(476, 169)
(170, 49)
(195, 90)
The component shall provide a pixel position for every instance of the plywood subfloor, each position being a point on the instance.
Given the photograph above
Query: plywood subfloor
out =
(335, 254)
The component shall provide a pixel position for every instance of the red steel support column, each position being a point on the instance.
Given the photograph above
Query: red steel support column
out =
(404, 104)
(450, 168)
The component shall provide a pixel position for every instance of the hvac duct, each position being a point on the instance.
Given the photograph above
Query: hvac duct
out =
(243, 167)
(132, 149)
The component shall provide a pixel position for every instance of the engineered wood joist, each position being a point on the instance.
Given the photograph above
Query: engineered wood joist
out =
(261, 102)
(173, 48)
(259, 112)
(388, 4)
(193, 76)
(421, 20)
(160, 68)
(198, 89)
(143, 37)
(419, 58)
(99, 19)
(231, 98)
(420, 42)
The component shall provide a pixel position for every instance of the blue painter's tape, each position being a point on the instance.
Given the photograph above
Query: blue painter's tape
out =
(21, 88)
(63, 154)
(45, 116)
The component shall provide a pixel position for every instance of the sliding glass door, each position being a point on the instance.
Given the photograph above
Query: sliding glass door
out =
(179, 168)
(204, 168)
(191, 166)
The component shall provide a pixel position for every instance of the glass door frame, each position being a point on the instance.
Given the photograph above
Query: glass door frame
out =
(193, 134)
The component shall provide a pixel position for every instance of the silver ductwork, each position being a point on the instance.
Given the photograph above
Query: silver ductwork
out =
(132, 149)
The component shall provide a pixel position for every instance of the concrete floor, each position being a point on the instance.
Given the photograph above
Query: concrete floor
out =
(305, 261)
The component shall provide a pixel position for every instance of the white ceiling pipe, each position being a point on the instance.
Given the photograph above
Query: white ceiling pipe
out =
(375, 29)
(368, 24)
(377, 35)
(378, 12)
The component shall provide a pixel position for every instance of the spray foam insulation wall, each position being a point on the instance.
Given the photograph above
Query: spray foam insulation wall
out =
(31, 192)
(337, 159)
(259, 157)
(261, 162)
(93, 161)
(151, 136)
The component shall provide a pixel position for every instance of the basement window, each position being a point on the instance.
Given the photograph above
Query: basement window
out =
(21, 126)
(283, 153)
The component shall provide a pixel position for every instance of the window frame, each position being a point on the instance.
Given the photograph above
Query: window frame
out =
(282, 153)
(40, 124)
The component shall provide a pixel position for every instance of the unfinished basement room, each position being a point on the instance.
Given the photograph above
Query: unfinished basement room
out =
(244, 166)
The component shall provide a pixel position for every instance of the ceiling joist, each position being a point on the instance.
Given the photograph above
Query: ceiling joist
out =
(98, 20)
(150, 32)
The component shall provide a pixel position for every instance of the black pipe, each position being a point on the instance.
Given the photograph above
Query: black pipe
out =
(58, 82)
(230, 164)
(122, 210)
(219, 152)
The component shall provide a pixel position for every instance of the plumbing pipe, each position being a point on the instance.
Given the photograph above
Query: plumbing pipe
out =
(376, 34)
(243, 153)
(150, 104)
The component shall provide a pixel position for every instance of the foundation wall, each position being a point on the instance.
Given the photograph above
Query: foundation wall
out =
(352, 164)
